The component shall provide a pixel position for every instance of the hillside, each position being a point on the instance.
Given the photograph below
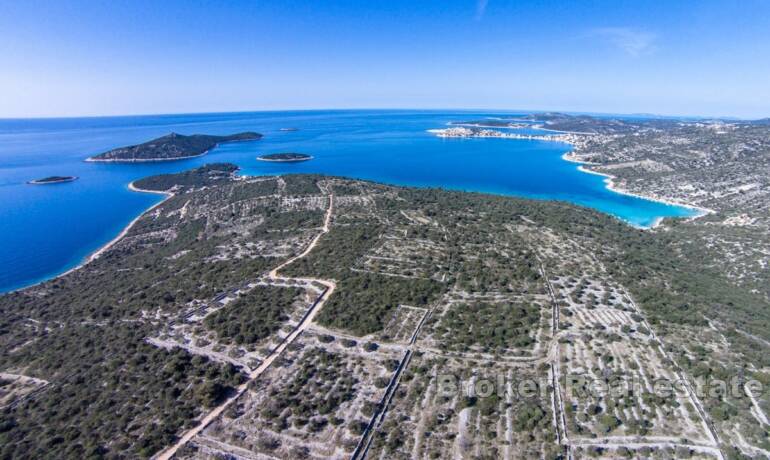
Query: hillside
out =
(320, 317)
(171, 147)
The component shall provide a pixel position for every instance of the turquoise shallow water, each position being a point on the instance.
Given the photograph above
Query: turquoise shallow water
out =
(46, 230)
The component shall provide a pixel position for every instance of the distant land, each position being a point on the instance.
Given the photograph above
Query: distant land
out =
(494, 123)
(285, 157)
(171, 147)
(52, 180)
(554, 121)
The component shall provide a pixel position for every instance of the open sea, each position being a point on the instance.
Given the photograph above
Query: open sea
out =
(48, 229)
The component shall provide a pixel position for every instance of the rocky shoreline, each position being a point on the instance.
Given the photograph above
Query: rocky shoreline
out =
(578, 141)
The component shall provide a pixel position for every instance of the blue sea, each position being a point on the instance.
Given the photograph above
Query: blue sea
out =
(46, 230)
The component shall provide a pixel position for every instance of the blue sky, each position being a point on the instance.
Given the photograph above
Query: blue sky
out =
(709, 58)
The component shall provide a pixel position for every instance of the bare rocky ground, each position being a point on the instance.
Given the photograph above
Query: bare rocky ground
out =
(313, 403)
(720, 166)
(192, 335)
(330, 396)
(14, 388)
(558, 320)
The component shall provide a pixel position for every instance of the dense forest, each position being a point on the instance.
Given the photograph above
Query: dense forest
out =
(172, 147)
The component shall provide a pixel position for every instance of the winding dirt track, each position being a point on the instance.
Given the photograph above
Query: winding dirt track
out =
(330, 285)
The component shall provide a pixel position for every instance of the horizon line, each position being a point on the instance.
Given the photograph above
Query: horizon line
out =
(412, 109)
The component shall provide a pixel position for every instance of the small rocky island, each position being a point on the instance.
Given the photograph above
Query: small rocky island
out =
(52, 180)
(171, 147)
(285, 157)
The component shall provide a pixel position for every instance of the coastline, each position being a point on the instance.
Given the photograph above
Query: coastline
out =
(582, 133)
(478, 125)
(104, 248)
(569, 156)
(151, 160)
(98, 253)
(538, 126)
(142, 160)
(609, 179)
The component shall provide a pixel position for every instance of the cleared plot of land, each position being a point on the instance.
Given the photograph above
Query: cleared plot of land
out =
(314, 403)
(612, 365)
(426, 421)
(243, 327)
(741, 415)
(14, 387)
(403, 323)
(408, 257)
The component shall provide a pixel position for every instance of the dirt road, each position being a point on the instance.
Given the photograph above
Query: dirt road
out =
(306, 321)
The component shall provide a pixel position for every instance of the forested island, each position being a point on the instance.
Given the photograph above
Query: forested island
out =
(53, 180)
(285, 157)
(171, 147)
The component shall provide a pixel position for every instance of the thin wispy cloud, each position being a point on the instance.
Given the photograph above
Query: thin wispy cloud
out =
(634, 42)
(481, 8)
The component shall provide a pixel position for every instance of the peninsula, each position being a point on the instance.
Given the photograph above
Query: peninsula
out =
(307, 316)
(285, 157)
(171, 147)
(52, 180)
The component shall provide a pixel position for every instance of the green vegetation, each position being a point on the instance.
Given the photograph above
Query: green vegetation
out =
(113, 395)
(337, 251)
(210, 174)
(363, 301)
(316, 390)
(254, 316)
(85, 333)
(303, 185)
(53, 180)
(493, 327)
(529, 417)
(172, 147)
(279, 224)
(285, 157)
